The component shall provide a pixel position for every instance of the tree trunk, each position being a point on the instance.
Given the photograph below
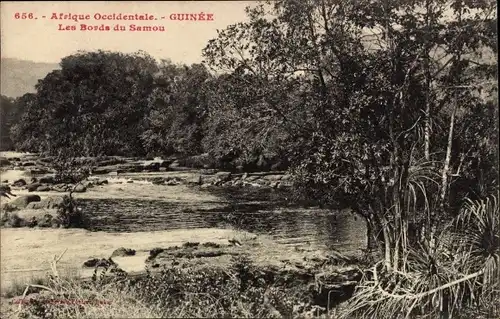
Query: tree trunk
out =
(446, 167)
(427, 115)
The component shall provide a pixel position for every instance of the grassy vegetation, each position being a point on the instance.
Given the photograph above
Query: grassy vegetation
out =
(241, 289)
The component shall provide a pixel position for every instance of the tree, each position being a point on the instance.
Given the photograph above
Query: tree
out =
(176, 110)
(7, 108)
(388, 89)
(94, 105)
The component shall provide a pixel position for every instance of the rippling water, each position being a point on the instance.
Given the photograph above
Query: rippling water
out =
(301, 227)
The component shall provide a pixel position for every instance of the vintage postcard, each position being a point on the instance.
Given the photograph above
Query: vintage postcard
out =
(249, 159)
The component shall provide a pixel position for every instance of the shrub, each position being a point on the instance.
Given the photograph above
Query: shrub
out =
(12, 220)
(71, 216)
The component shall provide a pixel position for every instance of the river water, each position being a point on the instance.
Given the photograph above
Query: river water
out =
(303, 227)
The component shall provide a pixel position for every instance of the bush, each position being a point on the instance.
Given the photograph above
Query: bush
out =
(71, 216)
(12, 220)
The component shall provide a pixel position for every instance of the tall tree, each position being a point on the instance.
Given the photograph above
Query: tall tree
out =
(95, 104)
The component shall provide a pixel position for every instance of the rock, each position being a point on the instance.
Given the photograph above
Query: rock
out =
(39, 170)
(130, 168)
(101, 182)
(88, 184)
(4, 162)
(155, 252)
(223, 176)
(80, 189)
(152, 167)
(172, 182)
(206, 185)
(25, 164)
(174, 164)
(208, 171)
(158, 181)
(244, 176)
(273, 177)
(60, 188)
(47, 203)
(19, 183)
(123, 252)
(47, 179)
(23, 201)
(94, 262)
(100, 171)
(91, 262)
(33, 187)
(166, 164)
(163, 169)
(43, 188)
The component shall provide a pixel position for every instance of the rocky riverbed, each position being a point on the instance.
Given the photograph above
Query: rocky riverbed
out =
(145, 205)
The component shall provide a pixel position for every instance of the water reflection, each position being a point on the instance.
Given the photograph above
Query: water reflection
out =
(322, 228)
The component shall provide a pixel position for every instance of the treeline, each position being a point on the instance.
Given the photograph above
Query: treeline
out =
(109, 103)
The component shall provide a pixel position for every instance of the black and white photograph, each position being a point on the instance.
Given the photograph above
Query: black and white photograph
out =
(329, 159)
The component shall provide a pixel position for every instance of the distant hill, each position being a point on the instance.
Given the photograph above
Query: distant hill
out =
(20, 76)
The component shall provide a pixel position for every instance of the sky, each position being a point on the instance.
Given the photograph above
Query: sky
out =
(40, 39)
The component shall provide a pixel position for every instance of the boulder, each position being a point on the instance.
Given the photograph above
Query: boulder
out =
(94, 262)
(130, 168)
(172, 182)
(19, 183)
(47, 179)
(174, 164)
(47, 203)
(60, 188)
(158, 181)
(43, 188)
(101, 182)
(101, 171)
(4, 162)
(33, 186)
(25, 164)
(123, 252)
(209, 171)
(152, 167)
(80, 189)
(39, 170)
(23, 201)
(166, 164)
(223, 176)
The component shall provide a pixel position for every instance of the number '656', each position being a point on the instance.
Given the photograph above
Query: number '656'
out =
(23, 15)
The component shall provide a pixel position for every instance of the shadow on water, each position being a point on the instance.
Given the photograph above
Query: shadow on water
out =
(264, 213)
